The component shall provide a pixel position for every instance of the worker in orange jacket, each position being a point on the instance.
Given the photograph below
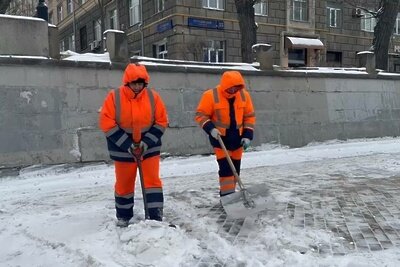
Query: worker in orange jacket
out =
(227, 111)
(134, 117)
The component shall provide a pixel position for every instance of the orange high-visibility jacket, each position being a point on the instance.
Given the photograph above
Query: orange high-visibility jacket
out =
(126, 118)
(213, 109)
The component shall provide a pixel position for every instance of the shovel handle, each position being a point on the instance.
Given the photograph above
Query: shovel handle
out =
(137, 154)
(235, 174)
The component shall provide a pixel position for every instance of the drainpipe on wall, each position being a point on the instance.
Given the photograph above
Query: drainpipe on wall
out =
(74, 25)
(141, 27)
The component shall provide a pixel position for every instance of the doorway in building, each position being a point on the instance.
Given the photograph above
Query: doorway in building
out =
(297, 57)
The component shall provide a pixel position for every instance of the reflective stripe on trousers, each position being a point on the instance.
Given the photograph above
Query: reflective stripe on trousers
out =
(227, 183)
(125, 173)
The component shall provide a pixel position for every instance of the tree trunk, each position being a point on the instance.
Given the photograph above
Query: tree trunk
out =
(4, 4)
(383, 32)
(248, 28)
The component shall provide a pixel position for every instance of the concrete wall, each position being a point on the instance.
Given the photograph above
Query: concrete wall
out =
(49, 108)
(23, 36)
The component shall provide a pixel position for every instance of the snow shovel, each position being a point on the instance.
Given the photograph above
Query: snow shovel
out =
(245, 202)
(137, 154)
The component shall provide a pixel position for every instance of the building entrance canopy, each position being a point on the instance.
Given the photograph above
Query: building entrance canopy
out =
(298, 42)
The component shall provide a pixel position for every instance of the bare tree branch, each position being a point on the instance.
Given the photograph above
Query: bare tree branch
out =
(4, 4)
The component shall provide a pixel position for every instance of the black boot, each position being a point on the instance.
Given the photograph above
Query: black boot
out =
(122, 223)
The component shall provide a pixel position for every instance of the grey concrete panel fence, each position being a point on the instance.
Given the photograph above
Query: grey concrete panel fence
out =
(49, 108)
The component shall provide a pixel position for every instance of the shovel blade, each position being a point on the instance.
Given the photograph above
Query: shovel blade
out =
(236, 204)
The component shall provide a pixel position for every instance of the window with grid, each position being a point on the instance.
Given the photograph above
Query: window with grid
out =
(333, 15)
(97, 30)
(297, 57)
(59, 13)
(214, 4)
(51, 17)
(70, 6)
(159, 5)
(134, 12)
(214, 52)
(71, 42)
(300, 10)
(160, 50)
(397, 25)
(368, 22)
(261, 8)
(113, 19)
(62, 46)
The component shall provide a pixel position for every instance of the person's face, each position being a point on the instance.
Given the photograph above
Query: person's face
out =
(136, 86)
(234, 89)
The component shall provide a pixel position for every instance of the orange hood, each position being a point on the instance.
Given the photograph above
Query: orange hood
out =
(228, 80)
(134, 72)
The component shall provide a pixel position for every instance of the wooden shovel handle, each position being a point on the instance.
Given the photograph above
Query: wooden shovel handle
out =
(235, 174)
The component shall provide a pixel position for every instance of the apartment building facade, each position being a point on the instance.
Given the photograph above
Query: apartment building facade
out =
(301, 32)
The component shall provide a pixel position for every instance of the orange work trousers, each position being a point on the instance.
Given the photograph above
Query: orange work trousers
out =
(125, 173)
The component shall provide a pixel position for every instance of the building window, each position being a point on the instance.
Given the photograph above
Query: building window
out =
(59, 13)
(297, 57)
(300, 10)
(97, 30)
(334, 59)
(62, 46)
(214, 52)
(83, 37)
(113, 19)
(51, 17)
(159, 5)
(160, 50)
(70, 6)
(214, 4)
(134, 12)
(368, 22)
(333, 14)
(71, 42)
(396, 67)
(261, 8)
(138, 53)
(397, 25)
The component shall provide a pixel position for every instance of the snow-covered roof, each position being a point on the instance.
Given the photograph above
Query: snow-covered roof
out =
(148, 61)
(110, 30)
(20, 17)
(365, 52)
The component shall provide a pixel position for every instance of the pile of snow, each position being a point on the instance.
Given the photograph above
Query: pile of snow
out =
(88, 57)
(64, 215)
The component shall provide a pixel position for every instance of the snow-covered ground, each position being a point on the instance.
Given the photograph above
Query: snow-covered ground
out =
(64, 215)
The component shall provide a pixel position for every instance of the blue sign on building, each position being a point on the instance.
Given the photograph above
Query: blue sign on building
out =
(165, 26)
(206, 23)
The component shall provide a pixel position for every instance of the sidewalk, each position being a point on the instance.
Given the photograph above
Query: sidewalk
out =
(336, 205)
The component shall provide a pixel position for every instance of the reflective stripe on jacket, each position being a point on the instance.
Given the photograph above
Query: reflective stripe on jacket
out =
(126, 118)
